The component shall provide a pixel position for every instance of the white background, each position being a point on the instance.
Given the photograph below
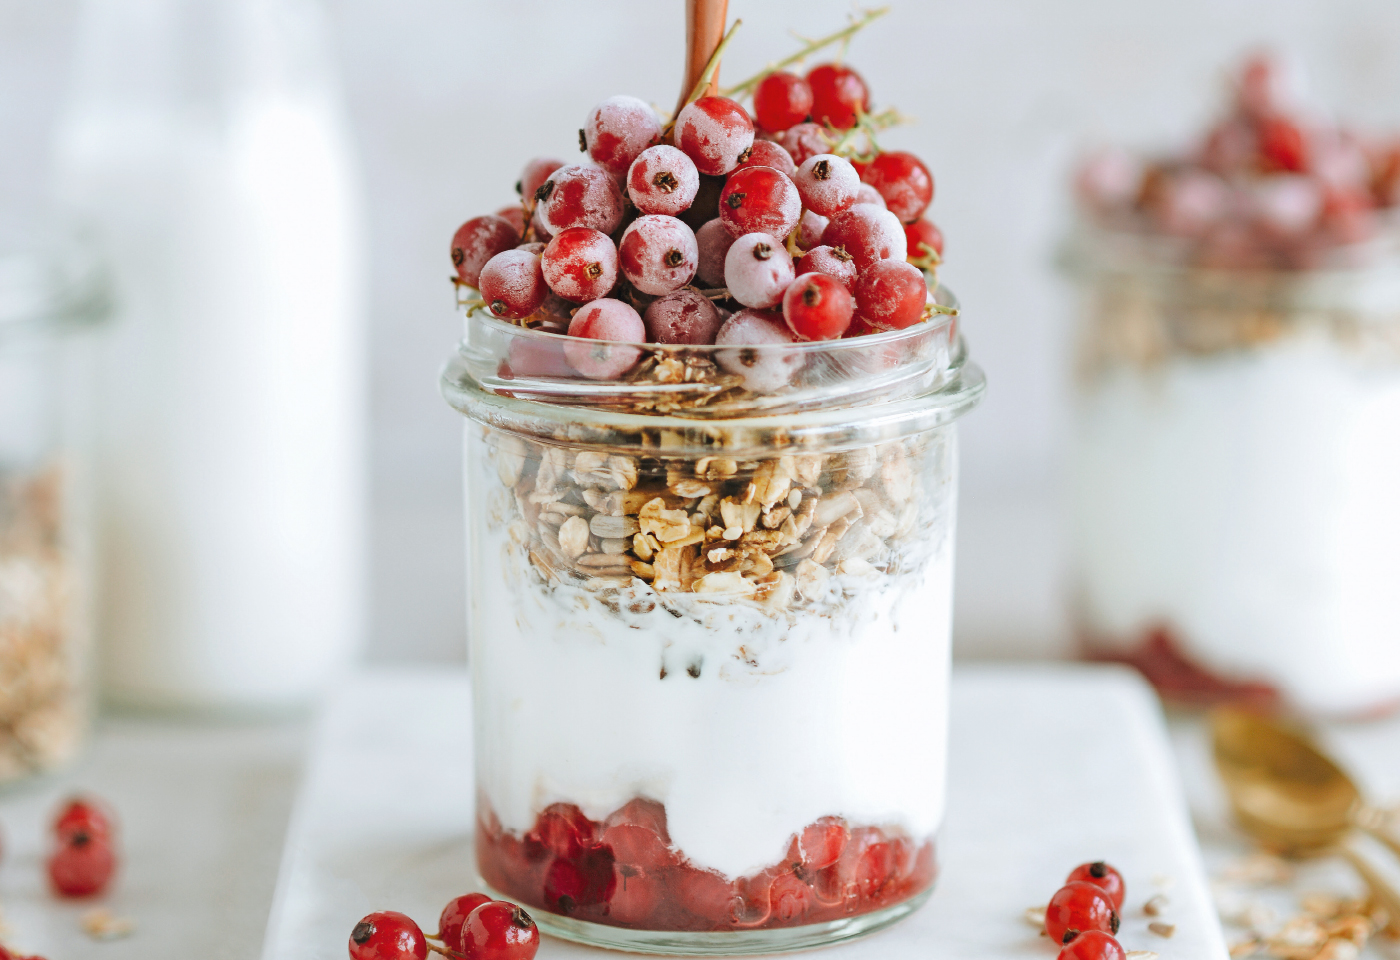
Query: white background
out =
(450, 97)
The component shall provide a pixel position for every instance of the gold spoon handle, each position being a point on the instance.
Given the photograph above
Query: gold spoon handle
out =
(1381, 889)
(1377, 823)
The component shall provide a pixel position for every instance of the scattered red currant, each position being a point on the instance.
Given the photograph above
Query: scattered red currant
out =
(756, 337)
(662, 180)
(713, 241)
(766, 153)
(714, 132)
(603, 319)
(387, 935)
(818, 307)
(781, 100)
(757, 269)
(1092, 945)
(454, 917)
(580, 264)
(1079, 907)
(903, 180)
(832, 261)
(83, 865)
(512, 284)
(1101, 875)
(838, 93)
(500, 931)
(618, 130)
(760, 200)
(658, 254)
(682, 317)
(477, 241)
(577, 196)
(868, 233)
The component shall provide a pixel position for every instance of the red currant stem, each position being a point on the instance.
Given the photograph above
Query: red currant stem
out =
(792, 246)
(446, 952)
(809, 47)
(944, 310)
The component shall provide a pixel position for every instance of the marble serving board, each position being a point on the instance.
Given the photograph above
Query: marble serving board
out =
(1049, 766)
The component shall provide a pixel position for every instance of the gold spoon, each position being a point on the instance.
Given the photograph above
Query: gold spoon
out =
(1293, 799)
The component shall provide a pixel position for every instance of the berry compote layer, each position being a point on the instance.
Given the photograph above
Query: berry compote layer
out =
(710, 691)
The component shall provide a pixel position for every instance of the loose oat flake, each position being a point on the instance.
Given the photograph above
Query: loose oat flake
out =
(102, 924)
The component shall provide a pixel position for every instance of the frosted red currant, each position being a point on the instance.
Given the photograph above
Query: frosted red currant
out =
(536, 172)
(868, 233)
(757, 269)
(924, 240)
(868, 194)
(805, 140)
(714, 132)
(82, 815)
(658, 254)
(577, 196)
(534, 246)
(454, 917)
(662, 180)
(1079, 907)
(500, 931)
(827, 183)
(766, 153)
(1092, 945)
(580, 264)
(512, 284)
(1283, 147)
(760, 200)
(818, 307)
(891, 294)
(477, 241)
(83, 864)
(713, 240)
(833, 261)
(387, 935)
(903, 180)
(838, 92)
(810, 229)
(515, 216)
(542, 231)
(1101, 875)
(604, 319)
(757, 338)
(682, 317)
(781, 100)
(618, 130)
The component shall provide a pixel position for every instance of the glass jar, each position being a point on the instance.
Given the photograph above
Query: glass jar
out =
(1236, 459)
(45, 527)
(709, 628)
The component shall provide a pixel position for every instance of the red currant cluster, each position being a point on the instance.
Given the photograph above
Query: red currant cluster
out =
(714, 229)
(1083, 914)
(1267, 188)
(471, 927)
(84, 857)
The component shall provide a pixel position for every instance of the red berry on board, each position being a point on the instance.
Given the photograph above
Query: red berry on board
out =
(714, 132)
(658, 254)
(82, 815)
(512, 284)
(781, 100)
(454, 917)
(685, 316)
(1101, 875)
(766, 153)
(832, 261)
(923, 239)
(904, 182)
(82, 866)
(1079, 907)
(477, 241)
(387, 935)
(837, 93)
(618, 130)
(818, 307)
(578, 196)
(662, 180)
(827, 184)
(1092, 945)
(868, 233)
(558, 833)
(580, 264)
(536, 172)
(757, 269)
(760, 200)
(500, 931)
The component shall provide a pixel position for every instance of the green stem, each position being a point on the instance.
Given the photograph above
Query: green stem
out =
(812, 47)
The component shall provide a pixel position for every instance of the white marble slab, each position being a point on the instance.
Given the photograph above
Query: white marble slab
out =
(1050, 766)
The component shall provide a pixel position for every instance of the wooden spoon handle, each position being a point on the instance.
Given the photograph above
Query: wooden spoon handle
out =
(704, 29)
(1378, 823)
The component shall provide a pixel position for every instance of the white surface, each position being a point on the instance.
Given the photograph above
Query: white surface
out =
(205, 151)
(1048, 768)
(1247, 499)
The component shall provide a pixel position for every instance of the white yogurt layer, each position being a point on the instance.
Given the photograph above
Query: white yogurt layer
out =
(837, 706)
(1251, 500)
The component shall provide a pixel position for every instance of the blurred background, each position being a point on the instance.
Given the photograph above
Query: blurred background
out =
(447, 100)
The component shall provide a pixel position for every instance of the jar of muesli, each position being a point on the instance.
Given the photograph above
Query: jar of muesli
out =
(46, 302)
(710, 612)
(1236, 462)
